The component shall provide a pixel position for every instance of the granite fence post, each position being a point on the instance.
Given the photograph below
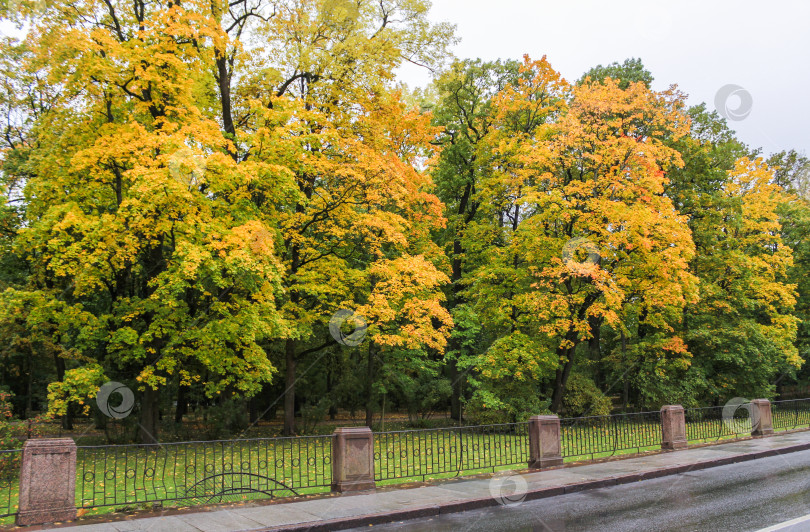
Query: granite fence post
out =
(545, 446)
(673, 427)
(47, 481)
(761, 417)
(352, 459)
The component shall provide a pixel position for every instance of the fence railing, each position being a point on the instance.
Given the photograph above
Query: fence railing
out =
(791, 414)
(603, 436)
(9, 481)
(422, 453)
(717, 422)
(201, 472)
(238, 470)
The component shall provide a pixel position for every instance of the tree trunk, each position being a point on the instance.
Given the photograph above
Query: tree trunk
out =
(370, 385)
(567, 354)
(67, 419)
(626, 392)
(330, 386)
(253, 410)
(182, 404)
(382, 414)
(561, 378)
(224, 82)
(457, 379)
(594, 345)
(28, 396)
(148, 425)
(457, 273)
(289, 391)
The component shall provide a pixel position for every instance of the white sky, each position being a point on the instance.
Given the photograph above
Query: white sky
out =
(700, 45)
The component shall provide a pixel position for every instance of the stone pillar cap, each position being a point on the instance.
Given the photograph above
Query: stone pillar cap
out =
(351, 430)
(544, 418)
(44, 442)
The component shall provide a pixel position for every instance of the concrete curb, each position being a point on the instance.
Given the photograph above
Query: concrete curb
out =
(531, 495)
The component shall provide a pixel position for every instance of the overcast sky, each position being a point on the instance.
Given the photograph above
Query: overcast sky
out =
(700, 45)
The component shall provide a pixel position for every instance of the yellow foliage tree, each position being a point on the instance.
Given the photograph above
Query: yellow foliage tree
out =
(579, 226)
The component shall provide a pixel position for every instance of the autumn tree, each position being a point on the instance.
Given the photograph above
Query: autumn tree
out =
(792, 173)
(196, 182)
(347, 204)
(464, 112)
(137, 213)
(742, 332)
(358, 203)
(580, 228)
(738, 337)
(625, 73)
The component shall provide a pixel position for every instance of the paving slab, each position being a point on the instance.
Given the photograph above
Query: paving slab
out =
(336, 507)
(275, 515)
(221, 521)
(426, 496)
(470, 488)
(387, 504)
(151, 524)
(101, 527)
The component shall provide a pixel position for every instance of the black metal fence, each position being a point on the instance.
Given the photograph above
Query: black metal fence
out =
(792, 414)
(202, 472)
(602, 436)
(718, 422)
(9, 481)
(423, 453)
(238, 470)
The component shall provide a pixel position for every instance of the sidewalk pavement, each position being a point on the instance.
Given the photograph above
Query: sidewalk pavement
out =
(339, 512)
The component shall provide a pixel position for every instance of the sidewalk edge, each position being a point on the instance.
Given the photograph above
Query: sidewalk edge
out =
(345, 523)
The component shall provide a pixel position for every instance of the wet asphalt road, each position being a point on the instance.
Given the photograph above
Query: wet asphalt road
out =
(746, 496)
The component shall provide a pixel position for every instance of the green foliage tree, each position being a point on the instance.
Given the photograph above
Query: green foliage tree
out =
(792, 173)
(740, 332)
(464, 111)
(626, 73)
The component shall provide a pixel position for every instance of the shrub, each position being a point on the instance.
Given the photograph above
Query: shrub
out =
(7, 438)
(423, 395)
(583, 398)
(227, 418)
(512, 403)
(312, 414)
(9, 463)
